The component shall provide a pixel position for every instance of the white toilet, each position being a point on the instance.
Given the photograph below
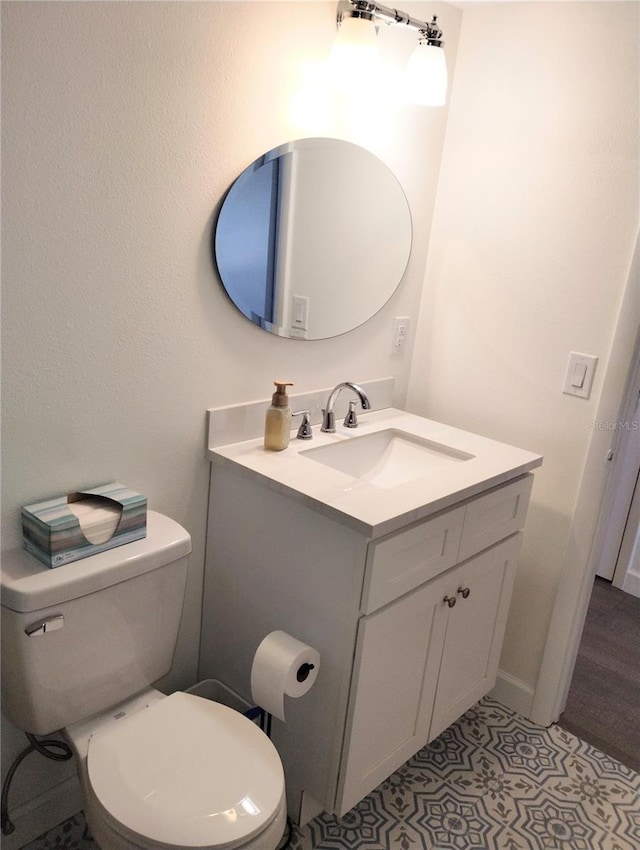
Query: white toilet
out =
(81, 645)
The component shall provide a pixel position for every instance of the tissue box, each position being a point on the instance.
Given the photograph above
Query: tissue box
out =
(80, 524)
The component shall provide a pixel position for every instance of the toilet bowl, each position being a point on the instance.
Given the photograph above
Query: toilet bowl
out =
(156, 771)
(182, 771)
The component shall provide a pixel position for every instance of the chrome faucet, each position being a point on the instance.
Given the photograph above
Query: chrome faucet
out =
(351, 420)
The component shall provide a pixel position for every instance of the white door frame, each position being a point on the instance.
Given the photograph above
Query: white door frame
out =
(627, 572)
(580, 559)
(621, 485)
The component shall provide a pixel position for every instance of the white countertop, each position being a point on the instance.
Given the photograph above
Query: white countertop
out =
(367, 507)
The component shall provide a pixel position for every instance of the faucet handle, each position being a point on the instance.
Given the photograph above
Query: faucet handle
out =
(304, 431)
(351, 419)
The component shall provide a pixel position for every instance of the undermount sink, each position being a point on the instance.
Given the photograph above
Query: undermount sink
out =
(386, 458)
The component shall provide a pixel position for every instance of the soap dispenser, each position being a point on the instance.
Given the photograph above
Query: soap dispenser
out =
(277, 426)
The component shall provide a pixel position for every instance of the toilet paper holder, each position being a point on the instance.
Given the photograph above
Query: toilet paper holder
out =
(304, 670)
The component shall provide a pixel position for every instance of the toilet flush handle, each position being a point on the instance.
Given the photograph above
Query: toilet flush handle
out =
(49, 624)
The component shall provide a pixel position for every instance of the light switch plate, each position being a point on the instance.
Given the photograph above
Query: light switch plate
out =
(300, 312)
(580, 372)
(401, 329)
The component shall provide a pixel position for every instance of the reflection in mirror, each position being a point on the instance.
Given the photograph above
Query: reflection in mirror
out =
(313, 238)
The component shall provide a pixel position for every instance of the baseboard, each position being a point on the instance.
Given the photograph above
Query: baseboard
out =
(632, 584)
(43, 813)
(513, 693)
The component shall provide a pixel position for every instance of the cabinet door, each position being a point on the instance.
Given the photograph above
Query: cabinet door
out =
(395, 672)
(475, 629)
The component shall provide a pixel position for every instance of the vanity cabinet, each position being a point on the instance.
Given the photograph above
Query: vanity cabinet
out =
(424, 659)
(409, 625)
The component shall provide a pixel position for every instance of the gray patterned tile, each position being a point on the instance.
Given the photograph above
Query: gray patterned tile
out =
(552, 825)
(73, 834)
(454, 824)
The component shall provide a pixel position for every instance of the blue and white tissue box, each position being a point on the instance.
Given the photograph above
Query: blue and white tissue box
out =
(67, 528)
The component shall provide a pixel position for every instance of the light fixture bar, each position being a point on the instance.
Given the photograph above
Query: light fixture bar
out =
(376, 11)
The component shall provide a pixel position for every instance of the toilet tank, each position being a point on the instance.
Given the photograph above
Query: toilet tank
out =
(82, 637)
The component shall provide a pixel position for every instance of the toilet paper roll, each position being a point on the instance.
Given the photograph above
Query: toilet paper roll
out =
(282, 666)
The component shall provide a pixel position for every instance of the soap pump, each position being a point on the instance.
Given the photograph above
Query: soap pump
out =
(277, 426)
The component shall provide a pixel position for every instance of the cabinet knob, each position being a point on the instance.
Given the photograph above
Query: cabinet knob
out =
(464, 592)
(450, 600)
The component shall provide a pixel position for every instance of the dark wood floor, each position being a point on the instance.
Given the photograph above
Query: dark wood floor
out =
(603, 707)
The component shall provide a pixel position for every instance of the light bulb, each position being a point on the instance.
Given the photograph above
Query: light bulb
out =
(426, 76)
(355, 50)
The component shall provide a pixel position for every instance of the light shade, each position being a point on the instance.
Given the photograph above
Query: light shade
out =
(355, 49)
(425, 79)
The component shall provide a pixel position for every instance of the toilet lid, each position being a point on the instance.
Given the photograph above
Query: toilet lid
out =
(187, 772)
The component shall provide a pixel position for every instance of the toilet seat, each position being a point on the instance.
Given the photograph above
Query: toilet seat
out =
(186, 772)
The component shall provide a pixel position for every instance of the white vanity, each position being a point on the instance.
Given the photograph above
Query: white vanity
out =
(392, 550)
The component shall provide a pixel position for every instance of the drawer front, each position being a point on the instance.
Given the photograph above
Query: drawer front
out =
(494, 516)
(405, 560)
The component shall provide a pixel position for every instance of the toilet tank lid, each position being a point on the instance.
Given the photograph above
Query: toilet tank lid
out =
(27, 585)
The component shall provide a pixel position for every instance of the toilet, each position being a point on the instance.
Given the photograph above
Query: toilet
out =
(81, 646)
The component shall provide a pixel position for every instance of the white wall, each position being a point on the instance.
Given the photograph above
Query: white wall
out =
(123, 125)
(533, 232)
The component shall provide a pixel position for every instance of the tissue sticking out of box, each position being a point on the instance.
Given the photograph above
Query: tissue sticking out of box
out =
(67, 528)
(98, 517)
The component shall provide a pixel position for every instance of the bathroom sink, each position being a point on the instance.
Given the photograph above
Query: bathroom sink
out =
(395, 468)
(387, 458)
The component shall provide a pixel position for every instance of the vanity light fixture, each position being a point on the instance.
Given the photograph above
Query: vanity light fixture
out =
(425, 75)
(355, 49)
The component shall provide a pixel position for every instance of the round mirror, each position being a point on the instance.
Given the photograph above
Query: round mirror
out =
(313, 238)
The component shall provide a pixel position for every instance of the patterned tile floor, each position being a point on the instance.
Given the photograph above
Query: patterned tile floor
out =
(492, 781)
